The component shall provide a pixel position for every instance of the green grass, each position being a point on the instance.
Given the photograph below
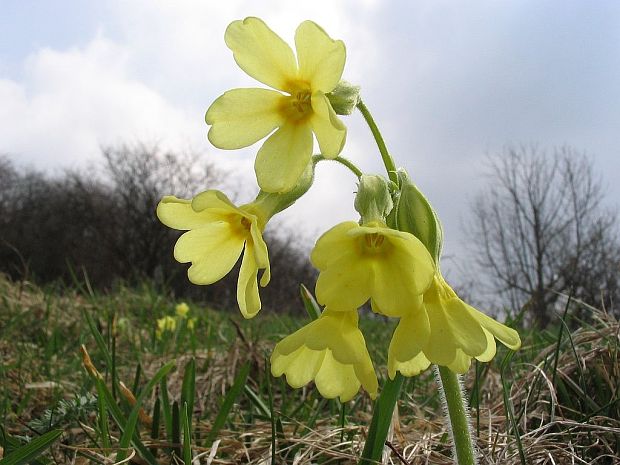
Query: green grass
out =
(195, 392)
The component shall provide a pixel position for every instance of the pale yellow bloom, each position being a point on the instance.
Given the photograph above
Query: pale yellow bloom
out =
(217, 234)
(191, 323)
(356, 263)
(445, 331)
(241, 117)
(165, 324)
(331, 351)
(181, 310)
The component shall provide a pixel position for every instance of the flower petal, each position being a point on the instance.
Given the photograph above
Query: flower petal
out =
(346, 283)
(332, 244)
(508, 336)
(214, 200)
(410, 335)
(213, 250)
(330, 132)
(461, 362)
(489, 353)
(335, 379)
(178, 214)
(261, 53)
(247, 286)
(412, 367)
(283, 158)
(299, 366)
(321, 59)
(241, 117)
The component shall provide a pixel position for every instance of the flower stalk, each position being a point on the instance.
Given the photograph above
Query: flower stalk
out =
(457, 412)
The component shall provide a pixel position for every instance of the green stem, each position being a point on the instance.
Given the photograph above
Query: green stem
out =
(458, 415)
(343, 161)
(381, 421)
(388, 161)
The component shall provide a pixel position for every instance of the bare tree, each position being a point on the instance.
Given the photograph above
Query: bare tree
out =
(540, 228)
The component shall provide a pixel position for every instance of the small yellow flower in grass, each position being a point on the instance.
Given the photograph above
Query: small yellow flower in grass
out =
(445, 331)
(331, 351)
(241, 117)
(165, 324)
(181, 310)
(217, 234)
(357, 263)
(191, 323)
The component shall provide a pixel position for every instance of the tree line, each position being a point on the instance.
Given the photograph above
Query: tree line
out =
(100, 223)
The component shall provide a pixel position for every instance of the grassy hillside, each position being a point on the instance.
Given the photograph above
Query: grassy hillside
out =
(555, 401)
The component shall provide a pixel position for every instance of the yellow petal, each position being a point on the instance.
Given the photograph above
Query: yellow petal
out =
(299, 366)
(214, 200)
(466, 330)
(283, 158)
(261, 53)
(242, 117)
(213, 250)
(332, 244)
(411, 367)
(461, 362)
(489, 353)
(346, 283)
(247, 286)
(178, 214)
(410, 335)
(365, 372)
(508, 336)
(330, 132)
(335, 379)
(321, 59)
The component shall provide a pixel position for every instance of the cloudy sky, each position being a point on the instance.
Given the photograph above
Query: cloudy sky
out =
(447, 82)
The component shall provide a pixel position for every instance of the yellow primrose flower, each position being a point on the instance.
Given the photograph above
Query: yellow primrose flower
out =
(372, 261)
(445, 331)
(217, 234)
(331, 351)
(164, 324)
(191, 323)
(181, 310)
(241, 117)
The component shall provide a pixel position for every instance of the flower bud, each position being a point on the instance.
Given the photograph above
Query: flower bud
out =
(414, 214)
(344, 98)
(373, 200)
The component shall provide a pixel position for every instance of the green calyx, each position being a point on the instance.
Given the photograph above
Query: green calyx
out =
(269, 204)
(414, 214)
(344, 98)
(373, 200)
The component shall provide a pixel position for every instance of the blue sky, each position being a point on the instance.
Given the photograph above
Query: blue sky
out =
(447, 82)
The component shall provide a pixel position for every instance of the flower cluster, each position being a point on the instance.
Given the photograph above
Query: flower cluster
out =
(389, 258)
(169, 323)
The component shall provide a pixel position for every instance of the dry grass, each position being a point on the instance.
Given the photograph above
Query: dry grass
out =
(565, 414)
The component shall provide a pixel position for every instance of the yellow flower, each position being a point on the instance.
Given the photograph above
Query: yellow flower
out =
(164, 324)
(191, 323)
(357, 263)
(181, 310)
(445, 331)
(331, 351)
(218, 232)
(241, 117)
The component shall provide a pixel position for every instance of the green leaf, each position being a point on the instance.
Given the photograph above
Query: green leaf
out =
(132, 421)
(26, 453)
(228, 403)
(310, 304)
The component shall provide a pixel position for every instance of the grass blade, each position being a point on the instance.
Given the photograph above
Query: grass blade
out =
(310, 304)
(26, 453)
(187, 434)
(188, 388)
(227, 404)
(508, 405)
(132, 421)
